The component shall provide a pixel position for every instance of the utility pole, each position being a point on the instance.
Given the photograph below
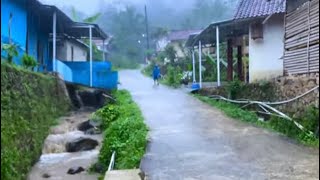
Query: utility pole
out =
(147, 29)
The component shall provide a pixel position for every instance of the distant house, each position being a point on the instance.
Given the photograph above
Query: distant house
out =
(301, 42)
(177, 39)
(71, 49)
(103, 46)
(261, 24)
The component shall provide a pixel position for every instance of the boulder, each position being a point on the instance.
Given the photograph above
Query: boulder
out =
(87, 125)
(93, 131)
(75, 170)
(46, 175)
(81, 144)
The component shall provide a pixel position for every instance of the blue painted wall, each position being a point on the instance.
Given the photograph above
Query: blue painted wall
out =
(102, 77)
(19, 20)
(18, 24)
(35, 34)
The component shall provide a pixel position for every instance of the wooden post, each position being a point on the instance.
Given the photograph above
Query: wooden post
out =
(230, 60)
(240, 65)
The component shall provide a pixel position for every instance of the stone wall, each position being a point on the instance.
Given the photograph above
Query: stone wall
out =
(279, 89)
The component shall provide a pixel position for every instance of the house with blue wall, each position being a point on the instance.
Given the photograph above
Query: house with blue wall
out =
(36, 28)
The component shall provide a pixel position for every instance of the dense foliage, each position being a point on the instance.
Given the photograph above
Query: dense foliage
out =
(125, 132)
(30, 103)
(29, 62)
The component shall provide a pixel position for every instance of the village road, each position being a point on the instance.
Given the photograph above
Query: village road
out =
(190, 140)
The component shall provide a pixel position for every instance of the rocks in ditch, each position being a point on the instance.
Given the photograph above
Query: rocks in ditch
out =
(90, 127)
(93, 131)
(92, 98)
(75, 170)
(46, 175)
(87, 125)
(81, 144)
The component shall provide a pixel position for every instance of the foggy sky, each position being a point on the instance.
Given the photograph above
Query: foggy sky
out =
(93, 6)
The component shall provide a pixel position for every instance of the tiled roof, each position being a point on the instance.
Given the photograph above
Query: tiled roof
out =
(258, 8)
(182, 35)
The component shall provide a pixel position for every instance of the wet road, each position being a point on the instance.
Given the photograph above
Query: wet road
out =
(190, 140)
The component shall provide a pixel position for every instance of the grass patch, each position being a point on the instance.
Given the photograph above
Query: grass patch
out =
(275, 124)
(125, 132)
(30, 104)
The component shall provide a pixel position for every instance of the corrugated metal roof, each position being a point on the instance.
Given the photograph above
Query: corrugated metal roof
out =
(258, 8)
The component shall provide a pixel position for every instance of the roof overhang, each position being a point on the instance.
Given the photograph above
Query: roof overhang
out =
(65, 25)
(227, 29)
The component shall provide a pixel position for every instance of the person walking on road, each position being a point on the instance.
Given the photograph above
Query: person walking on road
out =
(156, 74)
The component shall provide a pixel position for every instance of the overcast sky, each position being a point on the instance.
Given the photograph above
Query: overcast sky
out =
(86, 6)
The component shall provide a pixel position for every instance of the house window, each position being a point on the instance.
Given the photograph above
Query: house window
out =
(72, 54)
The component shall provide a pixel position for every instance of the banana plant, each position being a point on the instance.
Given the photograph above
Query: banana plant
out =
(11, 50)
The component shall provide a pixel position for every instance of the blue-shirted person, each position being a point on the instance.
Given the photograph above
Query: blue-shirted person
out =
(156, 74)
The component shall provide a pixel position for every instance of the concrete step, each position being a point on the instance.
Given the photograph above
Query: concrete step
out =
(123, 175)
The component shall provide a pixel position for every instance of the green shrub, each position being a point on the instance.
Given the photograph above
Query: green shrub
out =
(234, 87)
(126, 135)
(107, 115)
(11, 51)
(29, 62)
(30, 103)
(173, 76)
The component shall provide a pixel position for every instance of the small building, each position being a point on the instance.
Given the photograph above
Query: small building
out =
(266, 32)
(177, 39)
(103, 46)
(55, 41)
(71, 49)
(257, 25)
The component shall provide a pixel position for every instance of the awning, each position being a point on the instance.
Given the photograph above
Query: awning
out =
(227, 29)
(65, 25)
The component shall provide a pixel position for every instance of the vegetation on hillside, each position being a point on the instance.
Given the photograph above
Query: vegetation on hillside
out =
(125, 132)
(30, 104)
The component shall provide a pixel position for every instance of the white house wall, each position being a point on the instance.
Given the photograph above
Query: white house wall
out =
(79, 52)
(265, 54)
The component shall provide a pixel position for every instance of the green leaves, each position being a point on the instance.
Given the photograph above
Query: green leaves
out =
(92, 19)
(126, 134)
(29, 62)
(11, 50)
(29, 105)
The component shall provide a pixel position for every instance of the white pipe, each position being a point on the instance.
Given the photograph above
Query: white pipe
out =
(193, 66)
(54, 31)
(200, 65)
(90, 39)
(111, 165)
(218, 56)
